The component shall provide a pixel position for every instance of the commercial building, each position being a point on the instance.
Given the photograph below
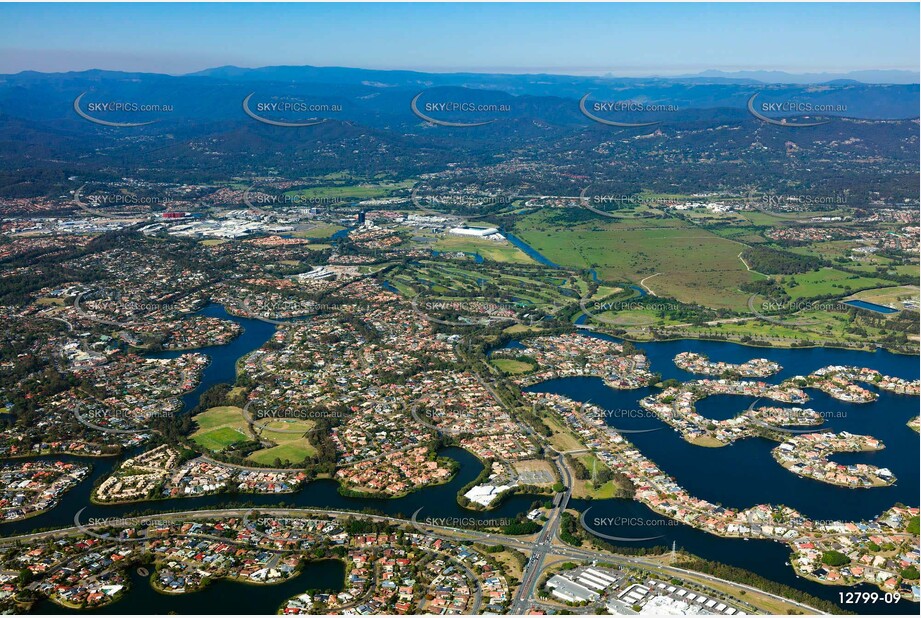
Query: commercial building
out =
(570, 591)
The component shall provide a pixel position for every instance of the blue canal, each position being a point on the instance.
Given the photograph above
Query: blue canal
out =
(222, 597)
(744, 473)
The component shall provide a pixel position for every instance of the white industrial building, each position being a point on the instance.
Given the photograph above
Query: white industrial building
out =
(667, 606)
(479, 232)
(570, 591)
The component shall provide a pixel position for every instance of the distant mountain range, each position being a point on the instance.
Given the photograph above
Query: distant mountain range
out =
(309, 73)
(203, 129)
(379, 98)
(890, 76)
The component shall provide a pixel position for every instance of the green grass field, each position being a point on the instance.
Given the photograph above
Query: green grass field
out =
(827, 281)
(220, 416)
(584, 488)
(696, 265)
(511, 366)
(503, 251)
(276, 429)
(816, 326)
(219, 439)
(319, 231)
(633, 317)
(292, 447)
(283, 452)
(219, 427)
(517, 329)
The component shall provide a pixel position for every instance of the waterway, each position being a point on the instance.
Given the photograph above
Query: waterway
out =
(435, 501)
(221, 597)
(744, 473)
(862, 304)
(223, 366)
(641, 291)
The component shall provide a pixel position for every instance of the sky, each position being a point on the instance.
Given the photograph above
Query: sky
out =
(620, 39)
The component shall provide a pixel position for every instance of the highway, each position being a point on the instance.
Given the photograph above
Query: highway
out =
(544, 545)
(523, 599)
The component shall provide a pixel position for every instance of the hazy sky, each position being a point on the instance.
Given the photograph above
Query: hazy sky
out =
(624, 39)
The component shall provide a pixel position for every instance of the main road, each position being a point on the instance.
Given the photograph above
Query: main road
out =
(545, 542)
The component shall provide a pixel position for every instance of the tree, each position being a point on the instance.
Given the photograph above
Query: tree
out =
(834, 558)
